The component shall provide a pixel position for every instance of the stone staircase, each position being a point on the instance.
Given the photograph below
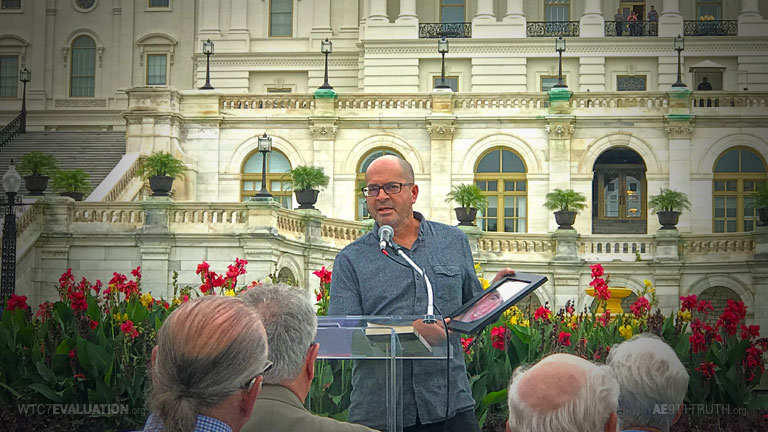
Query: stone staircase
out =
(95, 152)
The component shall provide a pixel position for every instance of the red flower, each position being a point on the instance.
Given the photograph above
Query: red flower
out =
(202, 268)
(605, 318)
(128, 328)
(750, 332)
(136, 272)
(698, 342)
(705, 306)
(707, 369)
(78, 301)
(597, 270)
(45, 311)
(319, 296)
(640, 307)
(498, 337)
(324, 275)
(601, 288)
(541, 312)
(16, 302)
(465, 342)
(564, 339)
(97, 286)
(79, 375)
(733, 314)
(94, 324)
(66, 278)
(688, 303)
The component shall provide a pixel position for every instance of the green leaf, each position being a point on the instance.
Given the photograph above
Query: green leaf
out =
(48, 392)
(45, 372)
(63, 347)
(15, 394)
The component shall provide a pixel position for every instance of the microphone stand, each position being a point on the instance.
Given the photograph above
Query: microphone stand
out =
(429, 317)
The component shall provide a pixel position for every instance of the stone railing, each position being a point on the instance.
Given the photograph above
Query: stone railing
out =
(637, 28)
(446, 30)
(507, 101)
(127, 214)
(514, 243)
(363, 101)
(30, 215)
(267, 101)
(656, 101)
(722, 99)
(115, 184)
(208, 214)
(553, 28)
(599, 247)
(730, 243)
(343, 231)
(711, 28)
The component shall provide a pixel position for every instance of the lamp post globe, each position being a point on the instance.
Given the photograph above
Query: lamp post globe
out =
(208, 51)
(265, 146)
(679, 47)
(326, 47)
(560, 48)
(442, 48)
(11, 183)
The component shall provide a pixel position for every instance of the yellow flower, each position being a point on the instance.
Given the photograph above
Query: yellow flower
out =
(625, 331)
(652, 290)
(119, 318)
(647, 283)
(146, 299)
(176, 301)
(525, 323)
(478, 268)
(486, 283)
(229, 292)
(684, 316)
(513, 321)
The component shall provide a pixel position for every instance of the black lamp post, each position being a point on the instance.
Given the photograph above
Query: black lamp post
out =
(560, 47)
(442, 48)
(208, 51)
(679, 47)
(326, 47)
(11, 183)
(265, 146)
(24, 76)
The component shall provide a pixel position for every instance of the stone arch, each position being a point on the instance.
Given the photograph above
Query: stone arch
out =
(533, 163)
(706, 163)
(156, 38)
(84, 32)
(12, 40)
(727, 281)
(249, 145)
(619, 139)
(383, 140)
(289, 262)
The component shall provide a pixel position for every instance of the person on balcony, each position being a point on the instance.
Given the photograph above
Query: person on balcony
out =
(653, 22)
(652, 383)
(704, 84)
(633, 24)
(619, 22)
(563, 392)
(291, 325)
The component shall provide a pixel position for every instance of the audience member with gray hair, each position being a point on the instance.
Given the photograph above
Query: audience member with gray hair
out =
(652, 382)
(207, 367)
(563, 393)
(291, 325)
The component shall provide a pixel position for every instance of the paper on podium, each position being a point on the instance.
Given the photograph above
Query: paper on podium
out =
(407, 335)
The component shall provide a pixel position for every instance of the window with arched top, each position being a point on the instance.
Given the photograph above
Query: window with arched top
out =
(737, 174)
(285, 275)
(278, 177)
(361, 208)
(82, 69)
(501, 174)
(719, 296)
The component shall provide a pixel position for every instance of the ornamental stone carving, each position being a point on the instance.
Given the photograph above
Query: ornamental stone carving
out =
(81, 103)
(440, 130)
(323, 132)
(559, 130)
(679, 129)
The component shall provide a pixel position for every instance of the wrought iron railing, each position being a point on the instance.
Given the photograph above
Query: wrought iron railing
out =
(552, 28)
(446, 30)
(711, 28)
(637, 28)
(13, 128)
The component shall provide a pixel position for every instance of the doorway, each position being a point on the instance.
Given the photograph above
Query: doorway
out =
(619, 193)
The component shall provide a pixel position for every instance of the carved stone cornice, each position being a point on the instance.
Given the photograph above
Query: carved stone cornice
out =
(323, 129)
(682, 128)
(560, 129)
(441, 129)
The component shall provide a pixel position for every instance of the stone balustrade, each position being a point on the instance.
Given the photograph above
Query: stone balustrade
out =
(509, 101)
(731, 243)
(364, 101)
(652, 101)
(268, 101)
(601, 247)
(720, 99)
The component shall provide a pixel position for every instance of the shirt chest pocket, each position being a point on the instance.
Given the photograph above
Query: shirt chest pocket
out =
(447, 287)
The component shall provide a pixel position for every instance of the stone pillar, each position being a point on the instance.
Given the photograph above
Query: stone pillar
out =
(209, 18)
(566, 245)
(751, 22)
(349, 17)
(671, 20)
(323, 132)
(761, 244)
(679, 130)
(514, 20)
(156, 210)
(484, 11)
(666, 278)
(759, 269)
(378, 12)
(668, 69)
(238, 17)
(155, 129)
(155, 271)
(592, 22)
(441, 129)
(566, 285)
(514, 10)
(321, 19)
(592, 74)
(559, 131)
(407, 11)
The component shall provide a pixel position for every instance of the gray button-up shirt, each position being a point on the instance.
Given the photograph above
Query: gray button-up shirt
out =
(365, 282)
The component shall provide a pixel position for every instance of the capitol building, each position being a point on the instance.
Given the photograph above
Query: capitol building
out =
(113, 81)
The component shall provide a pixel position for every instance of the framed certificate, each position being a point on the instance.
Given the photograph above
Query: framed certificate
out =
(486, 308)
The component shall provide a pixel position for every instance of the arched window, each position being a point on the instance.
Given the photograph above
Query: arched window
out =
(719, 297)
(82, 80)
(737, 174)
(361, 208)
(500, 174)
(278, 177)
(285, 275)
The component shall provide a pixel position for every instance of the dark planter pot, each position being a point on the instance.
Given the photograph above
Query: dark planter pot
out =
(160, 185)
(306, 198)
(668, 219)
(77, 196)
(465, 218)
(762, 212)
(36, 184)
(565, 219)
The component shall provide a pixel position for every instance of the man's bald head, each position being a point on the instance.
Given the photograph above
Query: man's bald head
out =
(392, 162)
(562, 393)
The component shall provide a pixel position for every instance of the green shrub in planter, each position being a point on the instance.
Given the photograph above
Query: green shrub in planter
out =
(308, 177)
(669, 200)
(467, 196)
(38, 164)
(161, 164)
(565, 200)
(73, 183)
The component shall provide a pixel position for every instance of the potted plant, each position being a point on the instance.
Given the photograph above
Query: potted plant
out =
(668, 204)
(761, 203)
(161, 168)
(72, 183)
(566, 204)
(38, 167)
(470, 199)
(306, 181)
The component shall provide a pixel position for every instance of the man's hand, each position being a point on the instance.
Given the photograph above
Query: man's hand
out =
(432, 333)
(503, 272)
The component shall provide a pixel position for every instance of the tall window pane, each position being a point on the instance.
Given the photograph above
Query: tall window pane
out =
(500, 175)
(712, 8)
(159, 3)
(452, 11)
(11, 4)
(156, 69)
(557, 10)
(281, 17)
(737, 173)
(9, 76)
(83, 68)
(278, 177)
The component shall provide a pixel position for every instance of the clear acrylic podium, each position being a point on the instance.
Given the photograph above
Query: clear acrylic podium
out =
(378, 338)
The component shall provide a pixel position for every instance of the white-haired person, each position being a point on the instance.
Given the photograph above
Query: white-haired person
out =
(291, 324)
(652, 383)
(563, 393)
(207, 367)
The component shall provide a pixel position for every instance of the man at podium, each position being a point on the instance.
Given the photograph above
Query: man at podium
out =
(369, 282)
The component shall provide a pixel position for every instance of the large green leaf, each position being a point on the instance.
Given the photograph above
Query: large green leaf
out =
(46, 391)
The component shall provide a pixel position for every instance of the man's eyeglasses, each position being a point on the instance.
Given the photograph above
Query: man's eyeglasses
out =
(389, 188)
(249, 385)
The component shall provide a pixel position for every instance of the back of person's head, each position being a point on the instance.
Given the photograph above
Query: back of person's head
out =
(207, 350)
(652, 382)
(291, 324)
(562, 393)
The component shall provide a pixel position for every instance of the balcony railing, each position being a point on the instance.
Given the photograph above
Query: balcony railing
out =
(553, 28)
(637, 28)
(447, 30)
(711, 28)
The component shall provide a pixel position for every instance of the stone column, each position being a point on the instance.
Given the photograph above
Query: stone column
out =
(238, 16)
(349, 17)
(679, 129)
(321, 19)
(407, 11)
(560, 130)
(514, 10)
(666, 277)
(759, 269)
(378, 12)
(515, 19)
(484, 11)
(323, 131)
(155, 271)
(592, 22)
(751, 22)
(671, 20)
(441, 129)
(209, 19)
(566, 245)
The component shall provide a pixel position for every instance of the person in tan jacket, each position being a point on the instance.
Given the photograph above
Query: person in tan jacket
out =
(291, 324)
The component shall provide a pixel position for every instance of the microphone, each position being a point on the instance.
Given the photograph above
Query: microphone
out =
(385, 236)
